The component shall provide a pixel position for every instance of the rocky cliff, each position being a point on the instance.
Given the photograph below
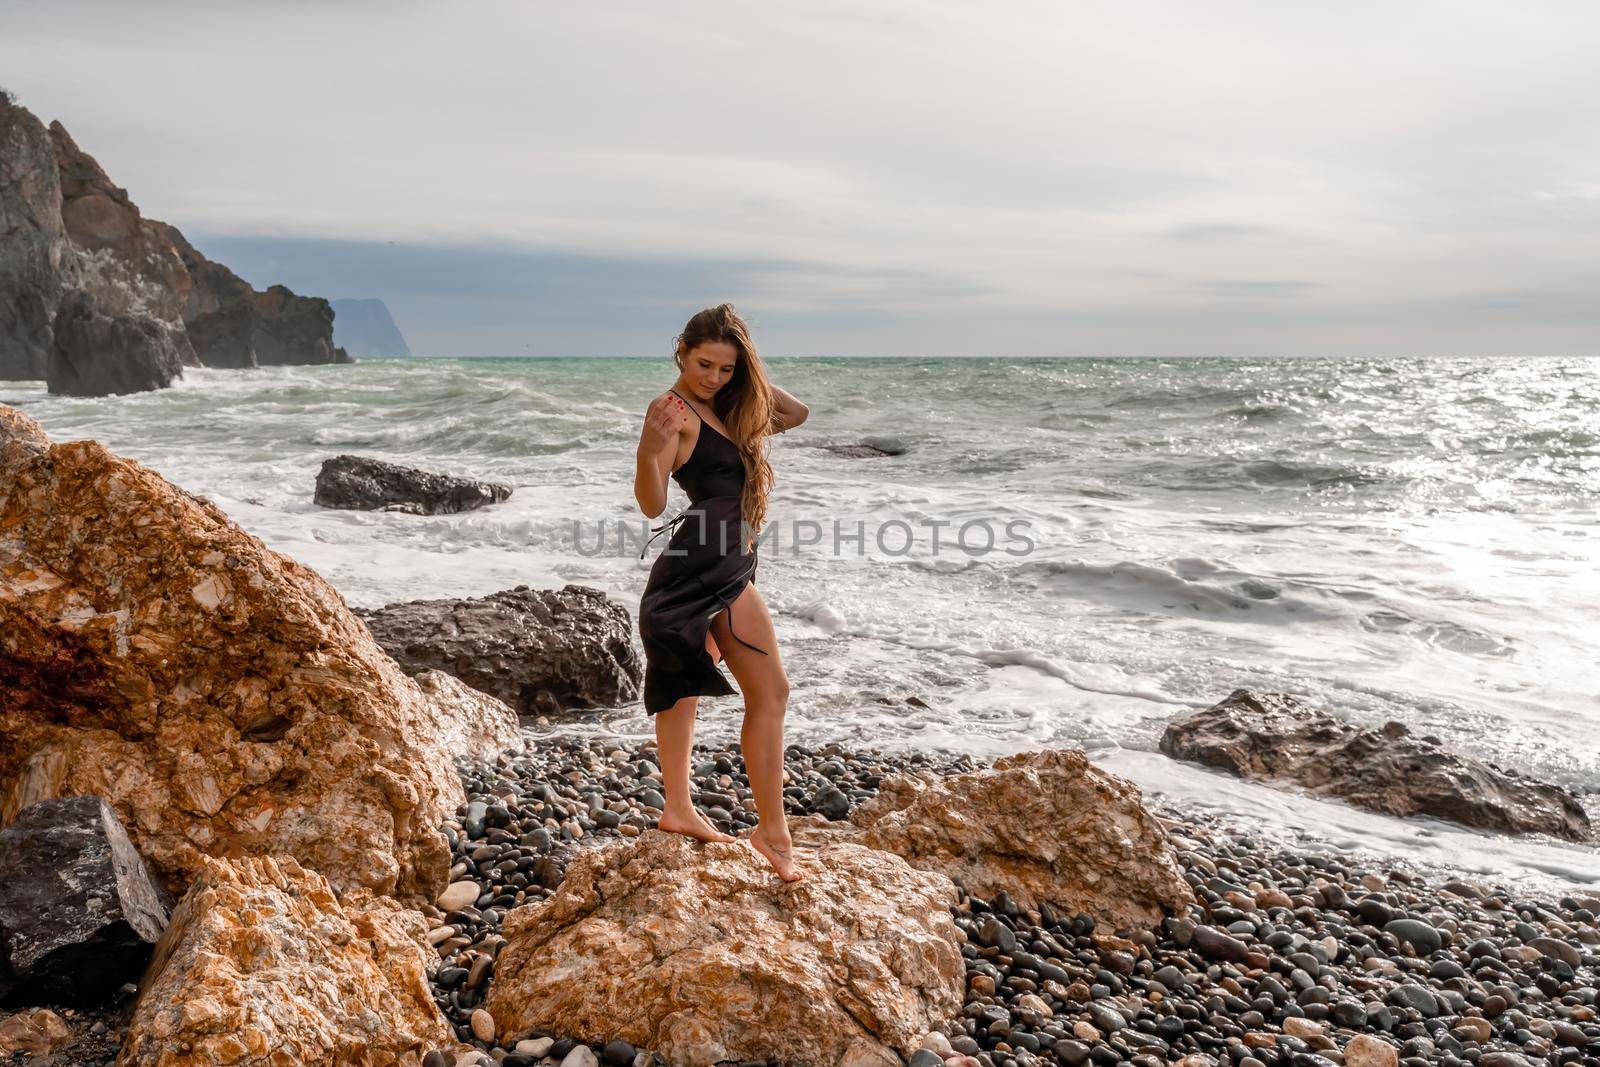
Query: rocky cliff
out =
(365, 328)
(69, 227)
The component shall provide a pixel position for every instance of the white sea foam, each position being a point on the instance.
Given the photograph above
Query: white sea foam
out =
(1367, 536)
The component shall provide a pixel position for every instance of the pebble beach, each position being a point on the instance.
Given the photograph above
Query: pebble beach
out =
(1296, 959)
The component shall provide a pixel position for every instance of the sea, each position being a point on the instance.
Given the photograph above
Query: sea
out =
(1061, 552)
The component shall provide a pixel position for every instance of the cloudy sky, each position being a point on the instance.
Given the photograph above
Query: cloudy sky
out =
(874, 177)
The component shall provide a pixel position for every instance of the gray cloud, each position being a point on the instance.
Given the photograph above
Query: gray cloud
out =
(924, 177)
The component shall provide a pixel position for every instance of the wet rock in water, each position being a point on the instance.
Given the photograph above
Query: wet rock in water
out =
(218, 695)
(358, 483)
(1042, 827)
(697, 951)
(79, 911)
(262, 964)
(92, 354)
(543, 651)
(1388, 770)
(871, 448)
(34, 1033)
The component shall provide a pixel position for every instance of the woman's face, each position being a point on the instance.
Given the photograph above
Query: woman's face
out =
(708, 366)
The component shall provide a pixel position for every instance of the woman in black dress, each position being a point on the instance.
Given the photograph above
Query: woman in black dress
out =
(708, 432)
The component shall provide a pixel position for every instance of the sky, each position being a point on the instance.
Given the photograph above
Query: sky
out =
(874, 177)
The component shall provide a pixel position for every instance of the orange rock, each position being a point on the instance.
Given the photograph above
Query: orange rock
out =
(698, 951)
(218, 694)
(1043, 826)
(36, 1032)
(262, 965)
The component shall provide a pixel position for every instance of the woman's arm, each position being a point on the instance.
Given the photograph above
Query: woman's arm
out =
(787, 412)
(658, 446)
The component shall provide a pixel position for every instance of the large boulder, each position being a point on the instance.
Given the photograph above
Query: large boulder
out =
(1384, 769)
(219, 695)
(357, 483)
(698, 951)
(539, 650)
(1043, 826)
(100, 355)
(37, 264)
(263, 965)
(79, 911)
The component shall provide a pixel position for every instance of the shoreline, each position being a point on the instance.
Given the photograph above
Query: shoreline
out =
(1288, 958)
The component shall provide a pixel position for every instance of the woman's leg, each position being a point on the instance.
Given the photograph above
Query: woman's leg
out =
(766, 699)
(674, 739)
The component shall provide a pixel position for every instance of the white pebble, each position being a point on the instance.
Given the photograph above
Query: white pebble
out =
(459, 895)
(581, 1056)
(535, 1047)
(934, 1041)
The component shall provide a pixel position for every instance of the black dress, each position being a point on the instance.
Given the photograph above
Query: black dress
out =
(703, 569)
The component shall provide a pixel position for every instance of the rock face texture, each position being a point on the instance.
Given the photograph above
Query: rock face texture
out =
(1043, 826)
(1387, 770)
(129, 264)
(68, 226)
(365, 328)
(357, 483)
(699, 952)
(219, 695)
(262, 965)
(540, 650)
(37, 265)
(79, 911)
(99, 355)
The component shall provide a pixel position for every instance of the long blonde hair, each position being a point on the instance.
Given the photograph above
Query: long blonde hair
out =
(744, 404)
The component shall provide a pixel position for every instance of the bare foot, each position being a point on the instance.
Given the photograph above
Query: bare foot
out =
(692, 824)
(779, 854)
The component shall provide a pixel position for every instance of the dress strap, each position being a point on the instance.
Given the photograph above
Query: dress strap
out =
(729, 606)
(669, 524)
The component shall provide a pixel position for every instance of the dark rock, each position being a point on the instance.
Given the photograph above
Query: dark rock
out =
(540, 650)
(1423, 938)
(997, 934)
(619, 1054)
(1219, 946)
(79, 911)
(100, 355)
(1387, 770)
(232, 325)
(869, 449)
(357, 483)
(37, 265)
(68, 226)
(1414, 996)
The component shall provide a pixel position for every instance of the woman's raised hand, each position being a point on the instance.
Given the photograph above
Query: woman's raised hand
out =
(662, 421)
